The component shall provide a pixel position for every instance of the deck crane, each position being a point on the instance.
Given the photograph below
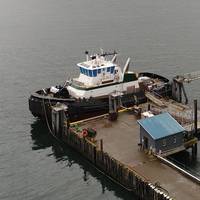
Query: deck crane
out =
(178, 85)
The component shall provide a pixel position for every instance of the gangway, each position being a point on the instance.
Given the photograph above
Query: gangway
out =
(188, 77)
(178, 87)
(154, 99)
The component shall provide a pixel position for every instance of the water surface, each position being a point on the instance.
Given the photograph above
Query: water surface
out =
(40, 43)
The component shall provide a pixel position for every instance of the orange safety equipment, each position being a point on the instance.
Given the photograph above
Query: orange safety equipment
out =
(85, 133)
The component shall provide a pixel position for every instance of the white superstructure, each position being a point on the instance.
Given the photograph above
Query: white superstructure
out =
(100, 77)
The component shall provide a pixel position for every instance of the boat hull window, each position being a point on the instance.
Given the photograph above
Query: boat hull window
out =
(99, 71)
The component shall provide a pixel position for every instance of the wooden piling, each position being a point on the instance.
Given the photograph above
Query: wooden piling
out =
(195, 118)
(101, 144)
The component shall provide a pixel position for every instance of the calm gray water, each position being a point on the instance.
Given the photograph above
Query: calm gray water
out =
(40, 43)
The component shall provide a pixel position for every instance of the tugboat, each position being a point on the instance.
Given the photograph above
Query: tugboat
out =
(88, 95)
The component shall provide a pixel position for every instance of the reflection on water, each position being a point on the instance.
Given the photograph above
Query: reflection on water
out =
(185, 160)
(43, 139)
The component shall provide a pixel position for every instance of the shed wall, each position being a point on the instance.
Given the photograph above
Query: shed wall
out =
(143, 133)
(172, 141)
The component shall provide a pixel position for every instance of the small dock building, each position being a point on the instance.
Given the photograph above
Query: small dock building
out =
(161, 134)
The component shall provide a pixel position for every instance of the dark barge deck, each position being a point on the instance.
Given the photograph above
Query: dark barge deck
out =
(120, 142)
(115, 152)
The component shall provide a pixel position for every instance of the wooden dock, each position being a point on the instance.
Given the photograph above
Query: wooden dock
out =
(116, 153)
(120, 141)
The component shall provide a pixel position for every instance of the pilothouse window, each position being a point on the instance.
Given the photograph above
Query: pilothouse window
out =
(86, 72)
(95, 72)
(90, 73)
(81, 70)
(112, 69)
(108, 69)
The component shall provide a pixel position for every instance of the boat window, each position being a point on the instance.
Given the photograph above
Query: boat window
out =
(81, 70)
(99, 71)
(90, 73)
(86, 72)
(112, 69)
(95, 72)
(108, 69)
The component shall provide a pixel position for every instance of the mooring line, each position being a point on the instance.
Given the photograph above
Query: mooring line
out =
(47, 122)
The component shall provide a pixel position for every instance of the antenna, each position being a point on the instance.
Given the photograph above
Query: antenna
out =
(109, 53)
(102, 51)
(87, 57)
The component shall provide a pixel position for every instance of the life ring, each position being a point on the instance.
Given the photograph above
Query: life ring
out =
(85, 133)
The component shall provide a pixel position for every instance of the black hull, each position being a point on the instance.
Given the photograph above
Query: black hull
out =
(39, 105)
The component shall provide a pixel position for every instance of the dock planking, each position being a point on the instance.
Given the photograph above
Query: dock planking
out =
(120, 139)
(116, 153)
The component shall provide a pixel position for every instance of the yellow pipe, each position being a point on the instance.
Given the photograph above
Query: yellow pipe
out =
(85, 120)
(99, 116)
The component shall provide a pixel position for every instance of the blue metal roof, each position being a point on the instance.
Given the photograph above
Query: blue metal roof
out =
(160, 126)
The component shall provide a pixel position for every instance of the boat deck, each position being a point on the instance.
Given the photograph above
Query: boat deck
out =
(120, 140)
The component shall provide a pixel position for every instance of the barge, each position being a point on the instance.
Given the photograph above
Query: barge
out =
(112, 148)
(100, 76)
